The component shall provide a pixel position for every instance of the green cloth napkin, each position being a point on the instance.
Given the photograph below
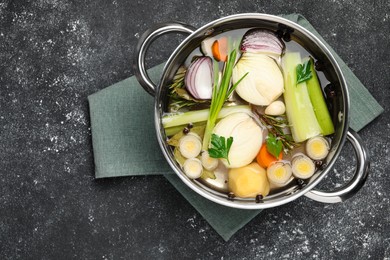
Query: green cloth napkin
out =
(124, 138)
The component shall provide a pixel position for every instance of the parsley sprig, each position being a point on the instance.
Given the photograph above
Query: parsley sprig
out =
(303, 72)
(220, 147)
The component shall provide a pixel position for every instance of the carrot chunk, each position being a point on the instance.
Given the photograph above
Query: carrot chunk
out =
(220, 49)
(264, 158)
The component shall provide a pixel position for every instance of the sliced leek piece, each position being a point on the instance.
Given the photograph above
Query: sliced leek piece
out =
(193, 168)
(208, 163)
(279, 173)
(190, 145)
(302, 166)
(317, 148)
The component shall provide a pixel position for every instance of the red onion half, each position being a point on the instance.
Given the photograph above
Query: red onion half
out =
(199, 78)
(262, 41)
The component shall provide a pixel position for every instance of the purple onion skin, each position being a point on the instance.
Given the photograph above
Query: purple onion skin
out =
(261, 40)
(204, 90)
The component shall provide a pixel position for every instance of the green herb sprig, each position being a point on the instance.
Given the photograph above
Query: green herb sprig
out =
(220, 147)
(276, 125)
(303, 72)
(179, 97)
(274, 145)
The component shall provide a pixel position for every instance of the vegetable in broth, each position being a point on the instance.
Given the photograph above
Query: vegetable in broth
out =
(255, 114)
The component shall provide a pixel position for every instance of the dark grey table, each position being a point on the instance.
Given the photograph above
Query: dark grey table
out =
(55, 53)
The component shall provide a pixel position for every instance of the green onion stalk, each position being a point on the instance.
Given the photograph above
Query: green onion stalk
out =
(219, 95)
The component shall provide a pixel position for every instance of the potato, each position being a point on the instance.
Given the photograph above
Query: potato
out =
(249, 181)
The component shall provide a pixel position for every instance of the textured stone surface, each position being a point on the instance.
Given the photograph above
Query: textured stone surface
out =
(55, 53)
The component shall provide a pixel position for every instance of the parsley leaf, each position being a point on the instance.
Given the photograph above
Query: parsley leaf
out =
(220, 147)
(274, 145)
(303, 72)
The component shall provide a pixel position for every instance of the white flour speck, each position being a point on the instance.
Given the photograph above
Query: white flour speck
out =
(161, 249)
(76, 116)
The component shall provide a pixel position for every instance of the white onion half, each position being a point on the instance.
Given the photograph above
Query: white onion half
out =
(264, 82)
(247, 138)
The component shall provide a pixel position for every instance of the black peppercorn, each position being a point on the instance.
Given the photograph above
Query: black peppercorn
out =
(186, 130)
(259, 198)
(284, 32)
(323, 166)
(301, 183)
(287, 37)
(318, 164)
(231, 196)
(329, 91)
(280, 33)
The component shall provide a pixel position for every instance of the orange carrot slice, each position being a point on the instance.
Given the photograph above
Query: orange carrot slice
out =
(220, 49)
(264, 158)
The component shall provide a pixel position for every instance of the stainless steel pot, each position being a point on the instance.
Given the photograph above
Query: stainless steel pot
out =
(309, 42)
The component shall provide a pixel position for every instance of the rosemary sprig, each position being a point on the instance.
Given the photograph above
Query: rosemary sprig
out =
(277, 125)
(178, 79)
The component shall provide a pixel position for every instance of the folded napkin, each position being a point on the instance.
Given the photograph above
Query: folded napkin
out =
(125, 143)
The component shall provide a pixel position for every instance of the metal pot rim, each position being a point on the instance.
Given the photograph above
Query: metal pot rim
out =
(308, 189)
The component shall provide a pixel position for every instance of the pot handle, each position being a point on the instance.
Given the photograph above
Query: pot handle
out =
(143, 44)
(355, 183)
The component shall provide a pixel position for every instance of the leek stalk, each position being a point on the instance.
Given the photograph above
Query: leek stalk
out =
(299, 110)
(184, 118)
(318, 101)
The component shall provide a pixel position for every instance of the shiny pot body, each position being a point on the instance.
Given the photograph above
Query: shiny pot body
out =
(333, 74)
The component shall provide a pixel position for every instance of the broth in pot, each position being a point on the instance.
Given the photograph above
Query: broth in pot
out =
(247, 114)
(251, 111)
